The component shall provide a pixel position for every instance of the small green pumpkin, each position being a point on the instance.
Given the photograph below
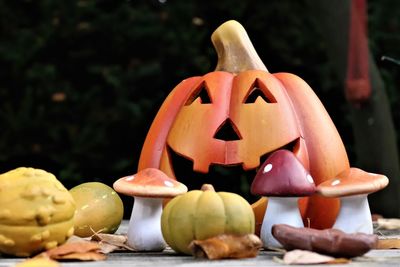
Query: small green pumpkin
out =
(200, 214)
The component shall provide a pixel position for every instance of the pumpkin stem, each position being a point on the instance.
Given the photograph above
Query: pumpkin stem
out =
(207, 187)
(235, 51)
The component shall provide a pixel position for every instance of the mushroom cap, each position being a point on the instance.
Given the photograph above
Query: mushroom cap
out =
(282, 174)
(149, 182)
(352, 181)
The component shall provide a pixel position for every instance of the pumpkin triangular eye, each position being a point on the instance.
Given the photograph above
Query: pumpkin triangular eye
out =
(256, 92)
(202, 93)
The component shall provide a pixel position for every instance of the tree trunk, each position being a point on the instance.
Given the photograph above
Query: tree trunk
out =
(373, 128)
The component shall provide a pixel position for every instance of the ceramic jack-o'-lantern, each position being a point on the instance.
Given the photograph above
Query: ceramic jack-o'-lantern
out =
(263, 112)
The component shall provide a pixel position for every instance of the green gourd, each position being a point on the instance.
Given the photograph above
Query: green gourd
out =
(36, 212)
(98, 209)
(201, 214)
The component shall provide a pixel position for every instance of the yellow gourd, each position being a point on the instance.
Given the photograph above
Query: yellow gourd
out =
(36, 212)
(200, 214)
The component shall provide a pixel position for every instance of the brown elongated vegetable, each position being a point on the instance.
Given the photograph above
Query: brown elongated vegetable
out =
(329, 241)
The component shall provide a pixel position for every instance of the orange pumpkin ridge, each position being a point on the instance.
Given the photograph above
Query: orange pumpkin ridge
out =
(265, 111)
(326, 151)
(295, 113)
(154, 143)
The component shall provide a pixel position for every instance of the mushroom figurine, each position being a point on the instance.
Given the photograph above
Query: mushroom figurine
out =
(283, 179)
(353, 186)
(148, 187)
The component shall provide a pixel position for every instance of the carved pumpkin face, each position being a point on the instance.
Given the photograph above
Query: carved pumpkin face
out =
(265, 112)
(262, 112)
(252, 105)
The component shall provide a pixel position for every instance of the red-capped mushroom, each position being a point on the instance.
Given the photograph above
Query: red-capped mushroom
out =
(148, 187)
(353, 186)
(283, 179)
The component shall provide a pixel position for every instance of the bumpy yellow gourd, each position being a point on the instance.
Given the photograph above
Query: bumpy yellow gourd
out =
(200, 214)
(36, 212)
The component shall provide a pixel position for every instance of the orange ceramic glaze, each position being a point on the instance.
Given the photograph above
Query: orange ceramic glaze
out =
(294, 113)
(258, 135)
(154, 144)
(326, 152)
(284, 111)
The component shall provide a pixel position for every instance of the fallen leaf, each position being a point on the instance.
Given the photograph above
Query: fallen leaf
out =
(106, 248)
(339, 261)
(111, 242)
(298, 256)
(78, 247)
(83, 256)
(226, 246)
(110, 238)
(38, 263)
(388, 224)
(388, 243)
(84, 250)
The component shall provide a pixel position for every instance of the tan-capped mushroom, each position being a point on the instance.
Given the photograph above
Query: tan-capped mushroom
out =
(353, 186)
(148, 187)
(283, 179)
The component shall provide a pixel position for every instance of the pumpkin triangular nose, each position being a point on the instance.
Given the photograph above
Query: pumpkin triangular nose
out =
(227, 132)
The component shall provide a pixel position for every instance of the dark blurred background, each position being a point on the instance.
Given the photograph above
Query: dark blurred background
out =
(81, 81)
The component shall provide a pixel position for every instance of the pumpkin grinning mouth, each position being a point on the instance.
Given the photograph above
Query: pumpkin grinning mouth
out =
(229, 178)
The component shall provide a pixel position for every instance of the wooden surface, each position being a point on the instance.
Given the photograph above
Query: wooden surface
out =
(169, 258)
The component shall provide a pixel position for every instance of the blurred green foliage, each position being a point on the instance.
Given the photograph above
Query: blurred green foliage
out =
(81, 81)
(384, 34)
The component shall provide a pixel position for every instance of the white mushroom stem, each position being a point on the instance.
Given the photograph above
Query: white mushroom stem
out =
(144, 230)
(279, 210)
(354, 215)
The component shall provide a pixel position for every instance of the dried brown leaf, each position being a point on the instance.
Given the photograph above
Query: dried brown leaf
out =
(110, 242)
(305, 254)
(77, 247)
(226, 246)
(85, 256)
(388, 224)
(106, 248)
(42, 262)
(339, 261)
(110, 238)
(107, 242)
(84, 250)
(298, 256)
(389, 243)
